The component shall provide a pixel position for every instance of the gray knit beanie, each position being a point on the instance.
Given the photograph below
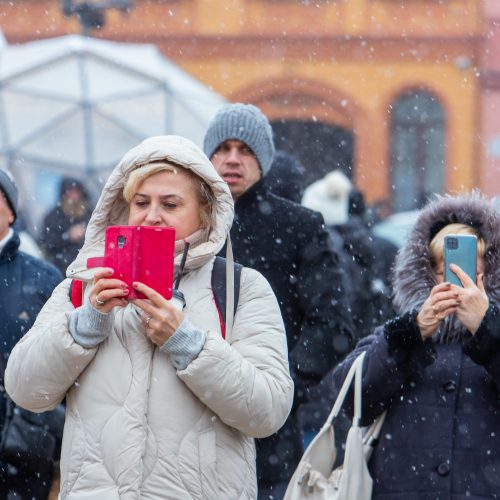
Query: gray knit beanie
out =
(9, 189)
(245, 123)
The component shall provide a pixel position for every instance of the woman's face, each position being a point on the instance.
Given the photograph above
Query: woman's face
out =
(440, 269)
(167, 199)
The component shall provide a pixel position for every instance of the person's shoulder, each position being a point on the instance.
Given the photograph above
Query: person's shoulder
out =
(383, 243)
(54, 212)
(292, 209)
(45, 269)
(253, 279)
(250, 274)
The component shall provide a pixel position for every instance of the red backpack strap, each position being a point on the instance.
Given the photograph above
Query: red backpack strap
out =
(76, 293)
(221, 318)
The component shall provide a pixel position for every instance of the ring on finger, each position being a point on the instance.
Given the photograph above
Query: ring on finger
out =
(148, 319)
(99, 302)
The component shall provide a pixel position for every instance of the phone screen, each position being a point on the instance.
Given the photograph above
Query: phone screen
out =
(460, 249)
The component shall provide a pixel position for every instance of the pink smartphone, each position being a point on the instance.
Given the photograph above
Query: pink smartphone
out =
(142, 253)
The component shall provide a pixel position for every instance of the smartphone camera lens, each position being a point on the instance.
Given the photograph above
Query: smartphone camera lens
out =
(452, 243)
(121, 241)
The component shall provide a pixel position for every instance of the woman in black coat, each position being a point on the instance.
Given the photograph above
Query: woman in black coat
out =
(436, 366)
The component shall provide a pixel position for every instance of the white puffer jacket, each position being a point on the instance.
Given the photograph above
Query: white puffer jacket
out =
(135, 427)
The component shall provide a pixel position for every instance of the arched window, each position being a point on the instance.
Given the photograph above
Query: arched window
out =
(417, 149)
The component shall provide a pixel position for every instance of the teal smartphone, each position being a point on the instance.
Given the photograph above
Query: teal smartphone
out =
(460, 249)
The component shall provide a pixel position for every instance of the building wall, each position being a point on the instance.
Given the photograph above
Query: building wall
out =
(340, 61)
(489, 140)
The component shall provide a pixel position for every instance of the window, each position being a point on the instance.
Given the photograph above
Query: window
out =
(417, 149)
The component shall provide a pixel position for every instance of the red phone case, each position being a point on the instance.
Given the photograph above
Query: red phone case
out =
(141, 253)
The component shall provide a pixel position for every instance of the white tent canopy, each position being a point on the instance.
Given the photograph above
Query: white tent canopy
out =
(74, 105)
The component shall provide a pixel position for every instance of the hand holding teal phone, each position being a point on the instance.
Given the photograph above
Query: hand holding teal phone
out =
(460, 249)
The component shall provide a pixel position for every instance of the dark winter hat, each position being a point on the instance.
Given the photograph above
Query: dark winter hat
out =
(245, 123)
(68, 183)
(286, 177)
(9, 189)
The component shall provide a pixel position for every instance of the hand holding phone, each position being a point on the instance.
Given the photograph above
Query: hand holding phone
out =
(461, 250)
(441, 302)
(473, 300)
(107, 292)
(140, 253)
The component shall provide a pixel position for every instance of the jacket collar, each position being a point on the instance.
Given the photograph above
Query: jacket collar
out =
(252, 195)
(10, 249)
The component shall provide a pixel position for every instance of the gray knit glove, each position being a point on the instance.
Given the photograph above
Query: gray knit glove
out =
(88, 326)
(184, 345)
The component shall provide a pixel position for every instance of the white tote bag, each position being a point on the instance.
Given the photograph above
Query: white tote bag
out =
(314, 479)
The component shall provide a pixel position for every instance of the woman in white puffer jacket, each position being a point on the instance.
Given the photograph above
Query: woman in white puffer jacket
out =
(159, 404)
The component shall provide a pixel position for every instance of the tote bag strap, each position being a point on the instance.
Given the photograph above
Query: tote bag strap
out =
(370, 439)
(373, 432)
(356, 372)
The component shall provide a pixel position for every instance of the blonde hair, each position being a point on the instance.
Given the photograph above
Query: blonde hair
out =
(436, 246)
(203, 192)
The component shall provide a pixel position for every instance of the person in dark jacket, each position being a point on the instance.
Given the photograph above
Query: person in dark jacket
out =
(286, 179)
(289, 245)
(25, 285)
(436, 366)
(383, 255)
(63, 230)
(330, 197)
(384, 251)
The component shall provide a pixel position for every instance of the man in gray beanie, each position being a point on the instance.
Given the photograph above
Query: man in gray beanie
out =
(289, 245)
(26, 283)
(242, 127)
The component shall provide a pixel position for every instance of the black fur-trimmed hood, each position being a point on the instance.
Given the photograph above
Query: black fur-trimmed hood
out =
(413, 277)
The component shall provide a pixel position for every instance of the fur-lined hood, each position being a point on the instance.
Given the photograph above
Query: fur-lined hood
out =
(413, 277)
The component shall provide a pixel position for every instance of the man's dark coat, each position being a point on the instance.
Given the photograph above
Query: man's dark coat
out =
(289, 245)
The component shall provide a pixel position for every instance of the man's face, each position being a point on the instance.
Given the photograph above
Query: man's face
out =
(73, 196)
(237, 165)
(6, 216)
